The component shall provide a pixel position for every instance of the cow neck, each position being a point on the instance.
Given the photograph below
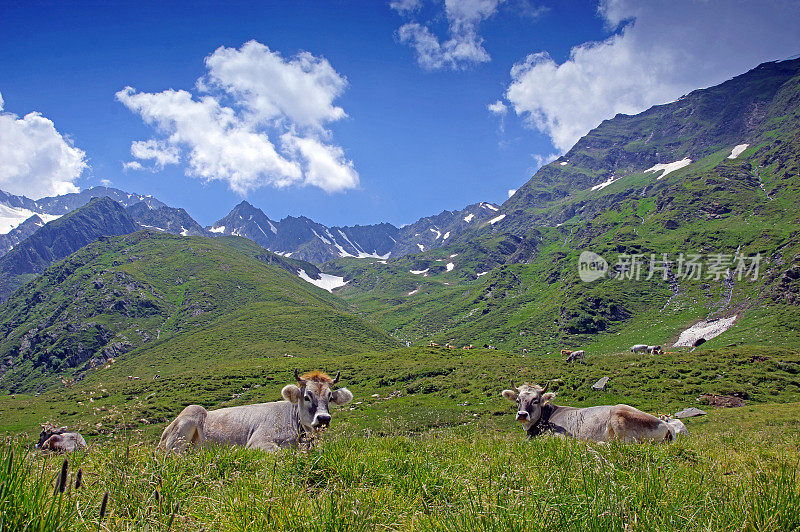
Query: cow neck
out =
(305, 439)
(543, 424)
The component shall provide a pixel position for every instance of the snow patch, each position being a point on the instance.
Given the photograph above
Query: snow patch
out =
(326, 281)
(220, 229)
(320, 237)
(669, 167)
(450, 266)
(454, 255)
(446, 235)
(604, 184)
(481, 274)
(153, 227)
(421, 247)
(373, 255)
(563, 163)
(468, 218)
(737, 151)
(490, 207)
(419, 272)
(495, 220)
(705, 329)
(184, 231)
(438, 233)
(413, 292)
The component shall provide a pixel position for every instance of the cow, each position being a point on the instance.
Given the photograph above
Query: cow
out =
(676, 426)
(538, 415)
(576, 356)
(293, 422)
(565, 352)
(58, 440)
(639, 348)
(654, 349)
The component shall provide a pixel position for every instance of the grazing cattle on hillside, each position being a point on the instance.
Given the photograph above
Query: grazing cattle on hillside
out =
(576, 356)
(268, 426)
(639, 348)
(432, 344)
(654, 349)
(57, 439)
(538, 415)
(565, 352)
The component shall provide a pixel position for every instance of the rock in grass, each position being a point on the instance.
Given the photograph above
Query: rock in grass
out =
(600, 385)
(690, 412)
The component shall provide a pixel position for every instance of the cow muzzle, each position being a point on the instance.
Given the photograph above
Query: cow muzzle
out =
(321, 422)
(522, 416)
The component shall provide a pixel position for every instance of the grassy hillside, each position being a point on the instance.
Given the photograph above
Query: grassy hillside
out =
(153, 300)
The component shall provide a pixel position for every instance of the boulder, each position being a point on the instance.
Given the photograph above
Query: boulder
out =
(600, 385)
(690, 412)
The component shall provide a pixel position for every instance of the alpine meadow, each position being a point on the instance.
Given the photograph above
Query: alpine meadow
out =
(612, 345)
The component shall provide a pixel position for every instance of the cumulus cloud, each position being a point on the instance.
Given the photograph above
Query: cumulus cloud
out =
(464, 47)
(105, 182)
(658, 52)
(265, 97)
(511, 192)
(159, 152)
(132, 165)
(35, 159)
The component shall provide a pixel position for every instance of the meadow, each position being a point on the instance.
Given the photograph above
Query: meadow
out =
(429, 444)
(737, 470)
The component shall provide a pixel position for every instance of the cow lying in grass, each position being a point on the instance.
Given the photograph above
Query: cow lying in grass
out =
(58, 440)
(538, 415)
(267, 426)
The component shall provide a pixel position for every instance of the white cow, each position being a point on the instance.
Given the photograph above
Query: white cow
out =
(538, 415)
(639, 348)
(267, 426)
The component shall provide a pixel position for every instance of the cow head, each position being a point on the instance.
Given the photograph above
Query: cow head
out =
(312, 395)
(529, 399)
(48, 430)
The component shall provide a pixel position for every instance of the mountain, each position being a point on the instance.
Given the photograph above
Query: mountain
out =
(714, 175)
(303, 238)
(16, 209)
(177, 304)
(165, 219)
(59, 238)
(746, 111)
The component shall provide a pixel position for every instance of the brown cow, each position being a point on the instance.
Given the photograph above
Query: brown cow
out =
(538, 414)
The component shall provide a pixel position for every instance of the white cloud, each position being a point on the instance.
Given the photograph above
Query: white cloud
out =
(301, 90)
(35, 159)
(463, 49)
(132, 165)
(159, 152)
(105, 182)
(511, 192)
(660, 51)
(269, 97)
(498, 108)
(542, 160)
(324, 166)
(405, 6)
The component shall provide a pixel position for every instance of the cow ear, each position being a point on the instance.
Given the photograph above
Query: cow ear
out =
(511, 395)
(342, 396)
(548, 397)
(291, 393)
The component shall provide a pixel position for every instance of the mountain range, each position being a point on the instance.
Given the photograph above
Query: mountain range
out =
(714, 173)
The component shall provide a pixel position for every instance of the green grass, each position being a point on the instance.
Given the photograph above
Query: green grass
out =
(737, 470)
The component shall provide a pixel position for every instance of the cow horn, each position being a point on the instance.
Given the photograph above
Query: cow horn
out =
(300, 381)
(514, 387)
(336, 378)
(546, 386)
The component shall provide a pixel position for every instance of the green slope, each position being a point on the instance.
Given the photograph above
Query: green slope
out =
(167, 302)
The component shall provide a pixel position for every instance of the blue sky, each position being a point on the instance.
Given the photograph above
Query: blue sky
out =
(401, 128)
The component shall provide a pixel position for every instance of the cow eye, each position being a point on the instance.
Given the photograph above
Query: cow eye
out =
(308, 397)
